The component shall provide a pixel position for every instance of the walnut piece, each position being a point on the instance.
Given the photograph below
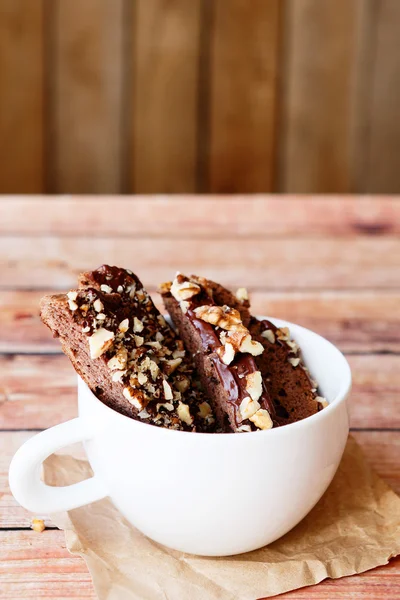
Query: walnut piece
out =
(248, 407)
(119, 360)
(294, 361)
(261, 419)
(123, 326)
(238, 336)
(100, 341)
(184, 413)
(323, 401)
(135, 397)
(241, 294)
(38, 525)
(221, 316)
(183, 289)
(167, 390)
(254, 385)
(269, 335)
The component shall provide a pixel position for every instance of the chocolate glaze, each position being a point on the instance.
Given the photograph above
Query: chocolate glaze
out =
(114, 276)
(232, 376)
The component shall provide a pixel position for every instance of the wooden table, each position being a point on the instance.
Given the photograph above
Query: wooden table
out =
(331, 264)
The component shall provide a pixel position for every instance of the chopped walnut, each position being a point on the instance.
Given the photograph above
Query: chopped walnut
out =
(184, 413)
(221, 316)
(123, 326)
(269, 335)
(135, 397)
(171, 365)
(254, 385)
(323, 401)
(118, 375)
(72, 296)
(119, 360)
(262, 419)
(137, 325)
(106, 288)
(98, 305)
(226, 353)
(167, 390)
(100, 341)
(283, 334)
(294, 361)
(243, 428)
(238, 335)
(183, 289)
(248, 407)
(250, 346)
(139, 340)
(293, 346)
(241, 294)
(204, 410)
(38, 525)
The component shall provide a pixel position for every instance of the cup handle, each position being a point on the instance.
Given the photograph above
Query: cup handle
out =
(25, 469)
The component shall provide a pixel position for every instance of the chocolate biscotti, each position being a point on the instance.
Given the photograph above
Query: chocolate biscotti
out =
(292, 390)
(251, 369)
(212, 323)
(125, 351)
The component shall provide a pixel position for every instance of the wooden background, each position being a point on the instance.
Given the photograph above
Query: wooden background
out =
(222, 96)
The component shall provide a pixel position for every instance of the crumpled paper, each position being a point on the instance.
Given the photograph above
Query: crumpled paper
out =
(353, 528)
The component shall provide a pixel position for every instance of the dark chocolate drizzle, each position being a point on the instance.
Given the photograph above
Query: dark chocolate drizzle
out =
(233, 376)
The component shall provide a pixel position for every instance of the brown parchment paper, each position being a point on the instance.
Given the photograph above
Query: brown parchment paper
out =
(354, 527)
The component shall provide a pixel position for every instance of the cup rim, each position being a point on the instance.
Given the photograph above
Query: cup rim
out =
(340, 397)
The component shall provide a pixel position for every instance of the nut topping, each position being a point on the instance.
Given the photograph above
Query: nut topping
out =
(261, 419)
(119, 360)
(323, 401)
(294, 361)
(135, 397)
(204, 410)
(238, 336)
(248, 407)
(184, 413)
(242, 295)
(183, 289)
(72, 296)
(98, 305)
(106, 288)
(100, 341)
(167, 390)
(269, 335)
(254, 385)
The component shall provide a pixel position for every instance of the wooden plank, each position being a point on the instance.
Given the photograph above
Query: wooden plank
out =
(85, 99)
(165, 80)
(382, 173)
(356, 321)
(36, 392)
(319, 77)
(38, 566)
(21, 98)
(279, 264)
(243, 90)
(207, 216)
(32, 397)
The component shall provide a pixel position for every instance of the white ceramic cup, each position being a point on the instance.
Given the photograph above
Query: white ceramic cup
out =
(206, 494)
